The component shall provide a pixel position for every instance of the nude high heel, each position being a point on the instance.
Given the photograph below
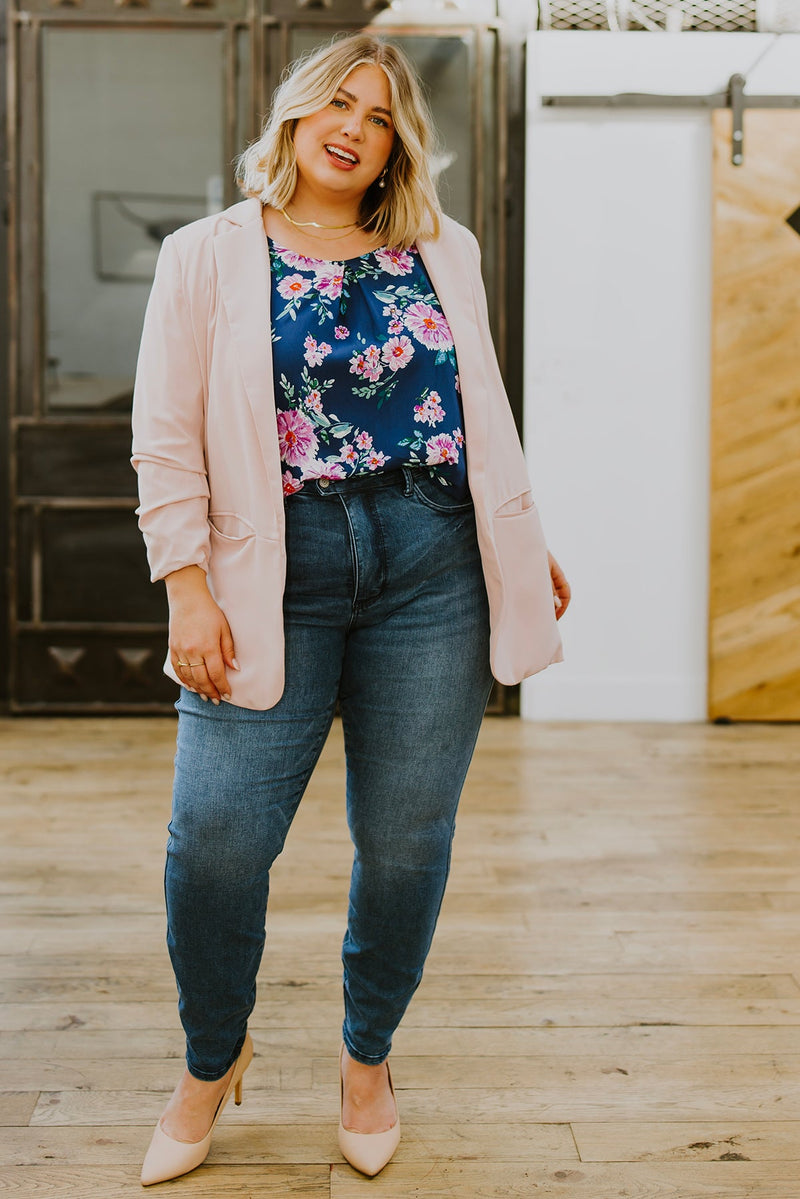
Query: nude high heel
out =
(368, 1152)
(167, 1158)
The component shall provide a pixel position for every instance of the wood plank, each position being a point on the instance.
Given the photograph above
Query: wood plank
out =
(292, 1047)
(434, 1013)
(158, 985)
(289, 1144)
(765, 1140)
(16, 1107)
(567, 1091)
(207, 1182)
(565, 1180)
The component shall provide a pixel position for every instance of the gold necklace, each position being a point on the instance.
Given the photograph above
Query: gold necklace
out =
(314, 224)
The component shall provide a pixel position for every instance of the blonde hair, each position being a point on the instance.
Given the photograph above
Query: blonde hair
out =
(407, 207)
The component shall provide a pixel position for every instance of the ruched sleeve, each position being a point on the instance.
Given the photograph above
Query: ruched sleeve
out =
(168, 426)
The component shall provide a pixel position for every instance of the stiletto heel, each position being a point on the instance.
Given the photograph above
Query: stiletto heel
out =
(167, 1158)
(368, 1152)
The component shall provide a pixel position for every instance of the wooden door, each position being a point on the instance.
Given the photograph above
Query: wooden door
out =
(754, 642)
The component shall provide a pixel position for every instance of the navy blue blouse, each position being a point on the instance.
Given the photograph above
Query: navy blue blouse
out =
(365, 367)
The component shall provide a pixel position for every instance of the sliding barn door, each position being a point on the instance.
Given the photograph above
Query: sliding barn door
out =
(754, 659)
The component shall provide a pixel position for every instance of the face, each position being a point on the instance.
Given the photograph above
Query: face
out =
(344, 147)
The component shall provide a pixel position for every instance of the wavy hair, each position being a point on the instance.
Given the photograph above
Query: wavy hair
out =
(407, 207)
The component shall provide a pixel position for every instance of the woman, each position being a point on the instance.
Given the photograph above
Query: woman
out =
(333, 490)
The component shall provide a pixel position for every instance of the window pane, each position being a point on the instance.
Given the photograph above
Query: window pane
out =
(133, 148)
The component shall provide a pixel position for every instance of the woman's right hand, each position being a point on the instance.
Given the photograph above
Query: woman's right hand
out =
(200, 641)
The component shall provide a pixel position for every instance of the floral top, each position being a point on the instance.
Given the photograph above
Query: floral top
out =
(366, 369)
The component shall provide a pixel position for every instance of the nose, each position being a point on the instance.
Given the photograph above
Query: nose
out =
(353, 126)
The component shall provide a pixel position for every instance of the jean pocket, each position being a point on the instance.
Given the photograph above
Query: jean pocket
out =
(438, 497)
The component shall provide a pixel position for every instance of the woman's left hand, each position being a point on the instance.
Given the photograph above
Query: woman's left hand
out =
(561, 588)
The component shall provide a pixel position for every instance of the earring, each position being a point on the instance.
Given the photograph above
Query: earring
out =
(382, 179)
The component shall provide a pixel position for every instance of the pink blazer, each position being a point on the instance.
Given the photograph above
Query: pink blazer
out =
(205, 446)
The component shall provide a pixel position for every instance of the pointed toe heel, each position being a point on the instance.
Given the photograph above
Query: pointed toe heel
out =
(167, 1158)
(367, 1152)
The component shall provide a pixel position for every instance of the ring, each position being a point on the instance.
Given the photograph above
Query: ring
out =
(191, 663)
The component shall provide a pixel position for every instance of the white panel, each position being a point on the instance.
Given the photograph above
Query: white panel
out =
(617, 357)
(578, 63)
(778, 72)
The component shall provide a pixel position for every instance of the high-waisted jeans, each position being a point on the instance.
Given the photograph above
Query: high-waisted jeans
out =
(385, 610)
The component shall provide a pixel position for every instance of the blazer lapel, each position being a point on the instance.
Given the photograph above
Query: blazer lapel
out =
(244, 279)
(447, 267)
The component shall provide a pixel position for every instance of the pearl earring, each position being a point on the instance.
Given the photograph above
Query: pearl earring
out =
(382, 180)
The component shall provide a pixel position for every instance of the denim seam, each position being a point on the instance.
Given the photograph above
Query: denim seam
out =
(354, 556)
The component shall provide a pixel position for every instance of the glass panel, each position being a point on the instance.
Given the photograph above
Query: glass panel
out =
(444, 64)
(132, 149)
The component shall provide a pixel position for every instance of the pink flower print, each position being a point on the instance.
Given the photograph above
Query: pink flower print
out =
(296, 437)
(457, 382)
(441, 448)
(395, 262)
(314, 400)
(428, 326)
(364, 441)
(341, 332)
(397, 352)
(395, 326)
(292, 258)
(349, 454)
(328, 281)
(317, 469)
(458, 437)
(367, 363)
(373, 367)
(375, 459)
(290, 483)
(293, 287)
(430, 411)
(315, 352)
(434, 403)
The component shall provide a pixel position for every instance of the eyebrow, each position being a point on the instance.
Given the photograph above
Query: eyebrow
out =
(375, 108)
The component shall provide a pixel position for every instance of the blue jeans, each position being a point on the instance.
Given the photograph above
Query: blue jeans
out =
(385, 610)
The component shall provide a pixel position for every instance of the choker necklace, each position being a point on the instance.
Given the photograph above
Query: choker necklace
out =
(314, 224)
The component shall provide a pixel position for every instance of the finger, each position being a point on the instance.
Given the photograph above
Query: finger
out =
(192, 672)
(181, 668)
(202, 681)
(226, 645)
(215, 667)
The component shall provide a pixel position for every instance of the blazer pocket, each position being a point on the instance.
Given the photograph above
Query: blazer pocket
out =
(230, 526)
(513, 507)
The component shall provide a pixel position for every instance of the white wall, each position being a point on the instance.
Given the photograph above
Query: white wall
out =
(618, 352)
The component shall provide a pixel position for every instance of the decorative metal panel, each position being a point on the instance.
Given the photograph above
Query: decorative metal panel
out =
(654, 15)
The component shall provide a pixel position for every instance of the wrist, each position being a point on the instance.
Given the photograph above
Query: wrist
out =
(189, 580)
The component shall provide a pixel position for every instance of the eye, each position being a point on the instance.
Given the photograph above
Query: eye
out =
(380, 121)
(337, 103)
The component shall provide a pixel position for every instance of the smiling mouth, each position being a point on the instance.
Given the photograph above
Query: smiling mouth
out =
(343, 156)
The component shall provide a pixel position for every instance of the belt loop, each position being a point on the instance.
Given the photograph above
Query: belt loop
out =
(408, 490)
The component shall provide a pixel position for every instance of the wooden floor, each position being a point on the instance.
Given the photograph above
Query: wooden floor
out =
(611, 1007)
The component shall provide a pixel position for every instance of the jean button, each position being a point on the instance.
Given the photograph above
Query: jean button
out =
(324, 482)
